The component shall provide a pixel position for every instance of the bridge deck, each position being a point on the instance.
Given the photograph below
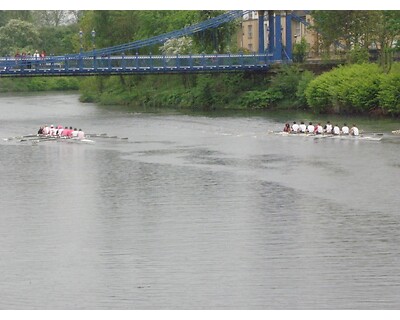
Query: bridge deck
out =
(75, 66)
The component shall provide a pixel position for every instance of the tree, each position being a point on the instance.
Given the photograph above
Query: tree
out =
(215, 40)
(387, 30)
(360, 29)
(182, 45)
(18, 35)
(55, 18)
(350, 27)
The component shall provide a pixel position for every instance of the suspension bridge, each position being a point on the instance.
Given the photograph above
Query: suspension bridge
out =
(114, 60)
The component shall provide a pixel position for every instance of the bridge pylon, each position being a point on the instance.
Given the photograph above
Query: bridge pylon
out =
(275, 44)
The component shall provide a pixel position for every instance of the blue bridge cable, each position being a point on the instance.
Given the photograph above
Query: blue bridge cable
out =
(204, 25)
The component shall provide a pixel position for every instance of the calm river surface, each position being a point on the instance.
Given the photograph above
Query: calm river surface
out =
(193, 212)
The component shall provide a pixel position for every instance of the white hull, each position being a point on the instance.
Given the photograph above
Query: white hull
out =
(36, 138)
(330, 136)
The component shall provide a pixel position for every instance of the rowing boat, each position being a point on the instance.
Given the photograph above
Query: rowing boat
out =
(36, 138)
(375, 137)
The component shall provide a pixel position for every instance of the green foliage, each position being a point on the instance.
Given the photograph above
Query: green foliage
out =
(355, 29)
(358, 55)
(389, 93)
(18, 35)
(260, 99)
(38, 84)
(345, 89)
(301, 99)
(182, 45)
(286, 81)
(300, 51)
(216, 40)
(58, 40)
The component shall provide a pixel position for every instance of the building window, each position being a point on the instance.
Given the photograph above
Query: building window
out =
(250, 32)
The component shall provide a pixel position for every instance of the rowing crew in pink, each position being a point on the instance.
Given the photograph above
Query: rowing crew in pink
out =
(59, 131)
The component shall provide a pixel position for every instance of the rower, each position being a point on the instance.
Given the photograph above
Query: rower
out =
(328, 127)
(75, 133)
(336, 130)
(81, 134)
(60, 130)
(318, 129)
(53, 130)
(40, 131)
(310, 127)
(46, 130)
(295, 127)
(286, 128)
(354, 130)
(64, 133)
(345, 129)
(302, 127)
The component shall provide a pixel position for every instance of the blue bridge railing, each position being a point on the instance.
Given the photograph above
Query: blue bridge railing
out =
(133, 64)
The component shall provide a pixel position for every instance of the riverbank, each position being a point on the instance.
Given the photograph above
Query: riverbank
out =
(362, 89)
(34, 84)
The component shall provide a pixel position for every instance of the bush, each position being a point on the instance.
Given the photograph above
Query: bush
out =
(306, 78)
(389, 93)
(260, 99)
(351, 89)
(300, 51)
(38, 84)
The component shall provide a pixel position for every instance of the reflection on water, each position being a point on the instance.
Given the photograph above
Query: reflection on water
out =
(193, 212)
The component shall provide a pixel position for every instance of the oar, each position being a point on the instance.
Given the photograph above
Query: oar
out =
(39, 139)
(20, 137)
(96, 134)
(104, 135)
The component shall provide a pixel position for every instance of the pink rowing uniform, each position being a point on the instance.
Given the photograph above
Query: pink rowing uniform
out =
(81, 134)
(67, 132)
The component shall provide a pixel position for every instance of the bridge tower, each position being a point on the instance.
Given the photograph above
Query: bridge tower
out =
(275, 43)
(261, 48)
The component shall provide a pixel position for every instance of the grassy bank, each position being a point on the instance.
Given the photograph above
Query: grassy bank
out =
(39, 84)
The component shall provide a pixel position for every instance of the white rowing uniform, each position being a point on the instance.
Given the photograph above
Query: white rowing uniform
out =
(320, 130)
(310, 128)
(46, 130)
(354, 131)
(75, 134)
(345, 130)
(81, 135)
(53, 131)
(295, 127)
(336, 130)
(328, 128)
(302, 128)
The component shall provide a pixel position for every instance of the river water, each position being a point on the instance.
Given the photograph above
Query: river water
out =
(193, 212)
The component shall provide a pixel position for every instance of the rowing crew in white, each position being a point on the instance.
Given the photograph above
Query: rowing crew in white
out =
(318, 129)
(60, 131)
